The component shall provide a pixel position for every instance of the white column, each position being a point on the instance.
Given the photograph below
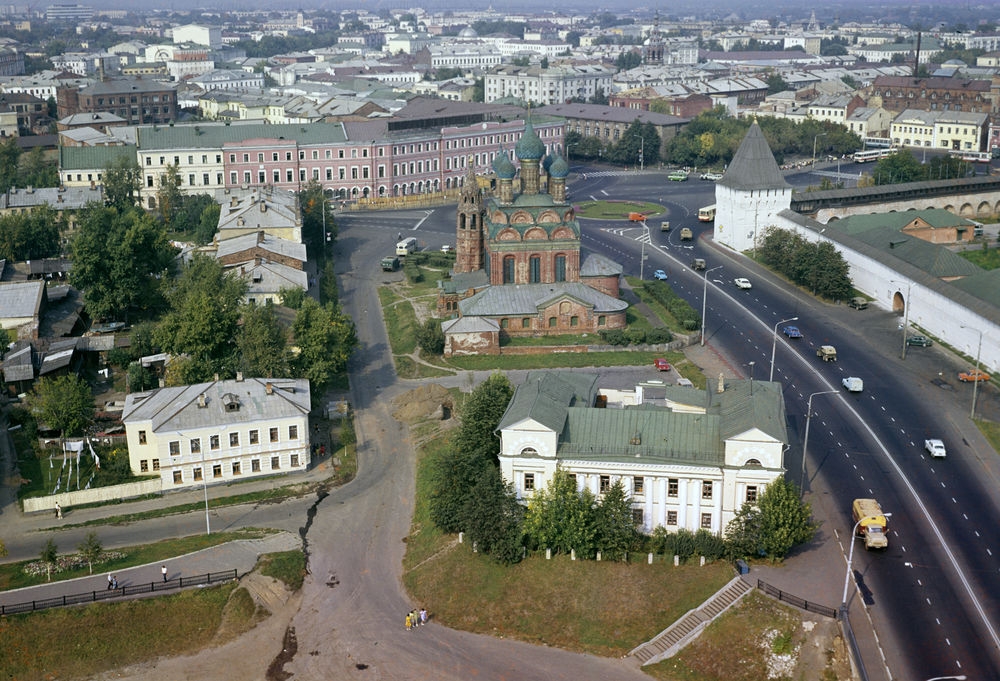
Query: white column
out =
(661, 487)
(717, 491)
(682, 500)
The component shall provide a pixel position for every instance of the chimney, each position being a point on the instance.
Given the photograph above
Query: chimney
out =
(232, 202)
(260, 236)
(263, 207)
(216, 378)
(202, 403)
(269, 388)
(93, 185)
(721, 388)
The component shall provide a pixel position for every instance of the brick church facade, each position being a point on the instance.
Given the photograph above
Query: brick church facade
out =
(518, 268)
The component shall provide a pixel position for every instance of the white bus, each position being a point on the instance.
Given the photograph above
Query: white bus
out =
(972, 156)
(876, 142)
(872, 154)
(706, 214)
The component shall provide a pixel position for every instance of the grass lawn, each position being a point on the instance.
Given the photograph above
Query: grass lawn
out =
(81, 642)
(12, 575)
(616, 210)
(988, 259)
(400, 321)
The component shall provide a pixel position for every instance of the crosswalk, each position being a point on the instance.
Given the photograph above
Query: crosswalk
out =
(607, 173)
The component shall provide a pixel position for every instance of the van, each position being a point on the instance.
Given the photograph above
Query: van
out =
(665, 226)
(827, 353)
(858, 303)
(686, 234)
(637, 217)
(406, 246)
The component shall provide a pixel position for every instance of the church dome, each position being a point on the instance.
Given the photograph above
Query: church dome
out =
(468, 32)
(503, 167)
(547, 162)
(529, 147)
(559, 168)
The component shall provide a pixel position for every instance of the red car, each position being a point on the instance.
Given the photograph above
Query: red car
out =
(973, 375)
(661, 364)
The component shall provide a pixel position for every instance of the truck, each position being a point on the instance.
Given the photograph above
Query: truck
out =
(637, 217)
(827, 353)
(390, 263)
(870, 523)
(686, 234)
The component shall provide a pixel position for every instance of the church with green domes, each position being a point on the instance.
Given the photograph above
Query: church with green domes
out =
(518, 266)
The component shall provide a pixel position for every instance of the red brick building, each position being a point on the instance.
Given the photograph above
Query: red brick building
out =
(518, 268)
(937, 93)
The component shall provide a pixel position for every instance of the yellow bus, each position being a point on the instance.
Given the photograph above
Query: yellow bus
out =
(706, 214)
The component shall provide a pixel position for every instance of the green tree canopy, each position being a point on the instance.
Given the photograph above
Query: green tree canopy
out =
(203, 319)
(38, 171)
(122, 183)
(317, 215)
(563, 519)
(786, 520)
(817, 266)
(326, 338)
(63, 403)
(616, 531)
(494, 519)
(119, 258)
(90, 549)
(169, 197)
(262, 349)
(480, 415)
(27, 236)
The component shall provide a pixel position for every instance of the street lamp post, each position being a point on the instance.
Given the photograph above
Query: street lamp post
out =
(805, 441)
(774, 343)
(850, 557)
(815, 139)
(204, 486)
(975, 383)
(704, 300)
(642, 257)
(906, 314)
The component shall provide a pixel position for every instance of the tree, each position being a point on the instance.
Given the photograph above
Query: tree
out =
(561, 518)
(119, 257)
(314, 204)
(600, 97)
(10, 153)
(63, 403)
(430, 337)
(3, 550)
(480, 415)
(37, 171)
(627, 60)
(479, 90)
(616, 532)
(49, 555)
(168, 196)
(203, 320)
(786, 520)
(328, 294)
(775, 84)
(208, 223)
(90, 548)
(494, 519)
(292, 297)
(897, 168)
(744, 533)
(326, 339)
(27, 236)
(122, 182)
(521, 61)
(544, 63)
(452, 476)
(261, 346)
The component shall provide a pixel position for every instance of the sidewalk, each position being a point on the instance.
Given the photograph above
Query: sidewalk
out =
(241, 556)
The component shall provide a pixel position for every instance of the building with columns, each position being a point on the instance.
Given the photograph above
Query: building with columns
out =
(689, 458)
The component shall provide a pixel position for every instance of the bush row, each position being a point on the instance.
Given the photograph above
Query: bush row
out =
(636, 336)
(679, 308)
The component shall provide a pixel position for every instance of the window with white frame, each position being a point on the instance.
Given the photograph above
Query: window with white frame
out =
(529, 482)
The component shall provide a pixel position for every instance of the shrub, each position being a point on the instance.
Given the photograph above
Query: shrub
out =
(657, 336)
(635, 336)
(614, 337)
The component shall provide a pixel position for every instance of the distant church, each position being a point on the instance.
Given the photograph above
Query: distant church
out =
(518, 269)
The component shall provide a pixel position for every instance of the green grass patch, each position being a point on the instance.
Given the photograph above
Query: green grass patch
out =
(991, 431)
(667, 319)
(83, 642)
(616, 210)
(286, 566)
(12, 575)
(400, 321)
(565, 339)
(987, 258)
(634, 320)
(551, 602)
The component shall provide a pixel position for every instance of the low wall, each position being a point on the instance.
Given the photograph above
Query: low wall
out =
(92, 496)
(676, 345)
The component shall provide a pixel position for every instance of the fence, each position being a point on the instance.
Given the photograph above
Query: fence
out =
(93, 495)
(107, 594)
(800, 603)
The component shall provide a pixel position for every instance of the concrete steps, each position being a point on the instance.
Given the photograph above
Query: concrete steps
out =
(672, 639)
(266, 592)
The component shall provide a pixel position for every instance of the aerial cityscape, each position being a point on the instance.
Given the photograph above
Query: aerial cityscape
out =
(360, 341)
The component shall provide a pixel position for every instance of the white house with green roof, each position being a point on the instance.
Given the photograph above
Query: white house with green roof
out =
(689, 458)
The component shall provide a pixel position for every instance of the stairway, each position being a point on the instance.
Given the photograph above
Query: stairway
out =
(668, 642)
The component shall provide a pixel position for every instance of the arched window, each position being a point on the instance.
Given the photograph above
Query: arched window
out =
(752, 463)
(529, 451)
(508, 269)
(534, 270)
(560, 268)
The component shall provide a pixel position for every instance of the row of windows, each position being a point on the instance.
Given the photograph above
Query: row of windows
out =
(923, 95)
(553, 322)
(639, 487)
(177, 159)
(234, 439)
(133, 99)
(275, 156)
(236, 468)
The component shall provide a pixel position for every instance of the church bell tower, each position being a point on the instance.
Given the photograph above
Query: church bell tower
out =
(469, 246)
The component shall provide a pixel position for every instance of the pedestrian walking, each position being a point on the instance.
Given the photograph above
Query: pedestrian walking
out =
(163, 571)
(58, 510)
(110, 581)
(414, 618)
(423, 616)
(409, 622)
(114, 583)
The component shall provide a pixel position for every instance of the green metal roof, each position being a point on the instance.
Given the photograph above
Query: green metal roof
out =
(215, 136)
(89, 158)
(545, 396)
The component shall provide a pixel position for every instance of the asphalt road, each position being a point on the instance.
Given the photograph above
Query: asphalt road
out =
(934, 593)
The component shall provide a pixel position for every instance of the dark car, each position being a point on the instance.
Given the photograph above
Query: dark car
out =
(792, 332)
(921, 341)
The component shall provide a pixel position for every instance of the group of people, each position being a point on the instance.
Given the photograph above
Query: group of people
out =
(112, 582)
(416, 618)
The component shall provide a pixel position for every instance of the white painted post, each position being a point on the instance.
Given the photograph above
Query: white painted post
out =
(649, 558)
(703, 561)
(461, 537)
(677, 560)
(572, 554)
(598, 556)
(548, 554)
(475, 549)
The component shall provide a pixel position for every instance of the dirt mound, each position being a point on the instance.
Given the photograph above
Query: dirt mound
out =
(425, 402)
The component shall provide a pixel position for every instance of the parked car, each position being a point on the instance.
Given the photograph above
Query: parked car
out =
(447, 248)
(678, 176)
(742, 283)
(661, 364)
(792, 332)
(973, 375)
(935, 448)
(858, 303)
(660, 274)
(713, 177)
(921, 341)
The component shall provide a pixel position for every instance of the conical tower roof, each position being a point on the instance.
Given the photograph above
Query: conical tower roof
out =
(753, 166)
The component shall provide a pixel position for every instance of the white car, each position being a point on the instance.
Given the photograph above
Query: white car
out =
(935, 448)
(742, 283)
(853, 384)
